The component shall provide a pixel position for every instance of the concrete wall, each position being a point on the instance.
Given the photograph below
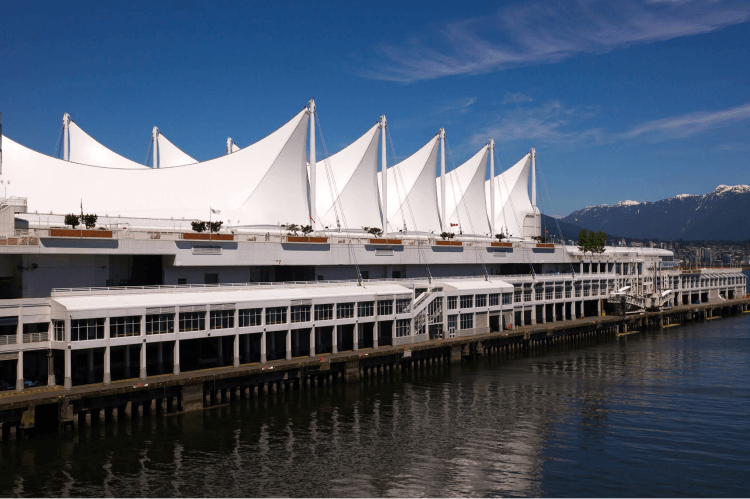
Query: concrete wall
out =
(62, 271)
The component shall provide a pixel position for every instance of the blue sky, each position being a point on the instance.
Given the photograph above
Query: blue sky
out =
(623, 100)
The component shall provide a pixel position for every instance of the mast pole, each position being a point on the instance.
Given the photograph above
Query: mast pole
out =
(66, 126)
(313, 177)
(384, 175)
(155, 140)
(445, 224)
(533, 176)
(229, 145)
(492, 187)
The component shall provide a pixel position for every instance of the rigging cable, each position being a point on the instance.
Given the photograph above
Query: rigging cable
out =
(565, 250)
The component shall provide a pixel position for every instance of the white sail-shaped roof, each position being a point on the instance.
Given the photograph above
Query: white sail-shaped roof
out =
(262, 184)
(235, 147)
(412, 197)
(512, 202)
(170, 154)
(465, 196)
(84, 149)
(350, 186)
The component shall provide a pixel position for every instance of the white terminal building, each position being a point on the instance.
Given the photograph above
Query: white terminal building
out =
(390, 259)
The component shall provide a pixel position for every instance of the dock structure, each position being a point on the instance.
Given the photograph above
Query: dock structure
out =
(133, 352)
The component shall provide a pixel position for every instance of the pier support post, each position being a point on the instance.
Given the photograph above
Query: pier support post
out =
(143, 374)
(19, 372)
(68, 382)
(191, 397)
(236, 362)
(107, 378)
(176, 356)
(456, 354)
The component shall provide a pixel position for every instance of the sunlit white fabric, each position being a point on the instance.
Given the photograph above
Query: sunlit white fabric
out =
(170, 154)
(262, 184)
(350, 186)
(512, 201)
(465, 204)
(412, 197)
(84, 149)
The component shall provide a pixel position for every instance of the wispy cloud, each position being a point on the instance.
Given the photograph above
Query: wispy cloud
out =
(554, 123)
(511, 98)
(544, 32)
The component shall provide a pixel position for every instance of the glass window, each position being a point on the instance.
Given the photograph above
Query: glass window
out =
(324, 312)
(276, 315)
(366, 309)
(119, 327)
(86, 329)
(467, 321)
(507, 298)
(467, 301)
(222, 319)
(403, 327)
(300, 313)
(480, 301)
(517, 296)
(160, 323)
(452, 322)
(385, 307)
(344, 310)
(403, 306)
(495, 299)
(452, 302)
(59, 328)
(251, 317)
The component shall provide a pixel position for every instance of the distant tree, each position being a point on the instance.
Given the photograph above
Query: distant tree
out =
(374, 231)
(447, 235)
(500, 236)
(584, 243)
(72, 220)
(90, 221)
(293, 228)
(198, 226)
(599, 241)
(539, 239)
(216, 226)
(306, 229)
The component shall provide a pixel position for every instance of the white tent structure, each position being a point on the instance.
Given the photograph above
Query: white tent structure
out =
(347, 185)
(411, 192)
(262, 184)
(512, 203)
(231, 146)
(82, 148)
(167, 154)
(466, 207)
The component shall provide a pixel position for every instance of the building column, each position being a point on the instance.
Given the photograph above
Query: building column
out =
(599, 306)
(236, 362)
(247, 347)
(160, 358)
(523, 317)
(376, 325)
(19, 371)
(127, 361)
(50, 369)
(544, 313)
(289, 345)
(356, 336)
(107, 376)
(393, 331)
(220, 350)
(143, 374)
(176, 351)
(334, 337)
(312, 341)
(68, 382)
(90, 364)
(263, 358)
(533, 314)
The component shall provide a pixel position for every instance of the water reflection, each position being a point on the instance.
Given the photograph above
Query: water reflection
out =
(662, 413)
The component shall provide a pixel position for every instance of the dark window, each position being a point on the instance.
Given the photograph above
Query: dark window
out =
(211, 279)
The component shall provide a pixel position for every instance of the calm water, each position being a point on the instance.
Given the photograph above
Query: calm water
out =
(656, 414)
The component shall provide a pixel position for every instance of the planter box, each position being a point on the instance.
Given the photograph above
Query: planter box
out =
(303, 239)
(501, 245)
(198, 236)
(391, 242)
(545, 245)
(448, 243)
(106, 234)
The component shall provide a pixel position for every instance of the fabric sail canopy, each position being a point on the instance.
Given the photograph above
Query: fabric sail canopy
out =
(512, 202)
(347, 185)
(465, 205)
(412, 197)
(86, 150)
(262, 184)
(170, 155)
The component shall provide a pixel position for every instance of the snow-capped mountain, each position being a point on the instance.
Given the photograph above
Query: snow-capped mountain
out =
(721, 214)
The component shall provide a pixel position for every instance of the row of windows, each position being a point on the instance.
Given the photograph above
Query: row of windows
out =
(466, 321)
